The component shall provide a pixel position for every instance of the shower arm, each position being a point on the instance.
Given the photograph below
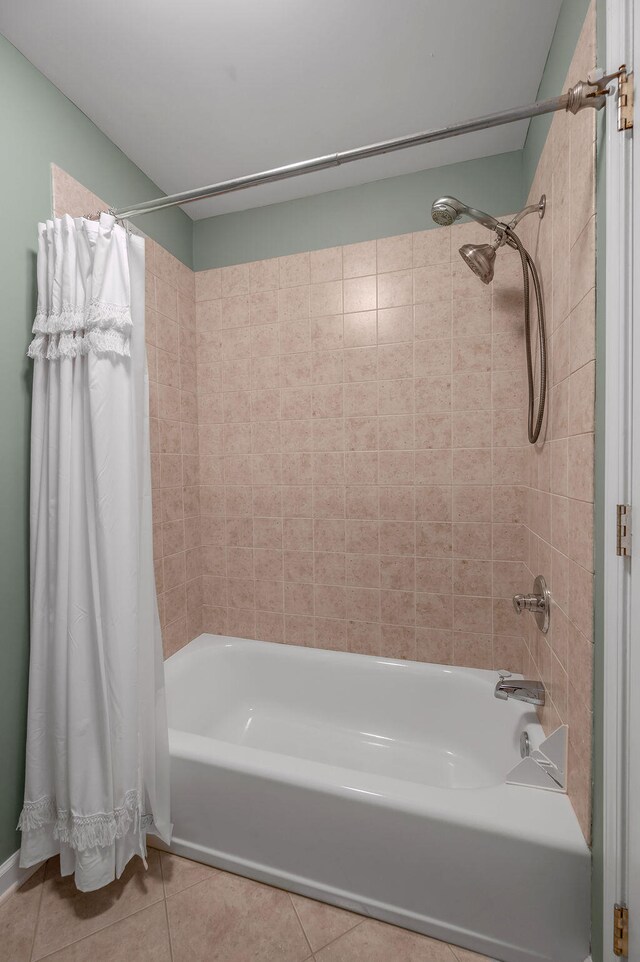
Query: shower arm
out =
(502, 230)
(583, 94)
(538, 208)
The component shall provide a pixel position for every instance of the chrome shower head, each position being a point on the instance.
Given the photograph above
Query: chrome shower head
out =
(481, 259)
(446, 210)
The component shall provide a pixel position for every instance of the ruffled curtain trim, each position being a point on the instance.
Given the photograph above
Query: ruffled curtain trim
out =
(86, 831)
(98, 328)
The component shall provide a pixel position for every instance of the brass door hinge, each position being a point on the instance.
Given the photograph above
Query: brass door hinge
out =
(623, 530)
(625, 99)
(620, 930)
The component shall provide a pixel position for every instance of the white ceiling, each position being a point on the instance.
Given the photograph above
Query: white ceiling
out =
(198, 91)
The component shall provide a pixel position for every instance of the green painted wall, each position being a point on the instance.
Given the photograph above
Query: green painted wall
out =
(565, 37)
(39, 126)
(382, 208)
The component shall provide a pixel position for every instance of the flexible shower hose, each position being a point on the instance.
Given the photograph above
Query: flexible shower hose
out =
(534, 421)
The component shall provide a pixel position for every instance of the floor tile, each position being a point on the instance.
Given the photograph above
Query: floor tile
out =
(179, 873)
(18, 917)
(322, 923)
(67, 915)
(376, 942)
(231, 919)
(143, 937)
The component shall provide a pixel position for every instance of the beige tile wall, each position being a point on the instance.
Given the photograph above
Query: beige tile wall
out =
(363, 461)
(171, 352)
(561, 487)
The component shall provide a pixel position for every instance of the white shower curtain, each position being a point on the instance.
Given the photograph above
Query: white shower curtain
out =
(97, 761)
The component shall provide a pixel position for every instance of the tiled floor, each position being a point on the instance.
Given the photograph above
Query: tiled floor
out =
(181, 911)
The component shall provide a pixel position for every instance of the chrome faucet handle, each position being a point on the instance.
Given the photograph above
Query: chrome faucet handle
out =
(538, 603)
(520, 603)
(528, 603)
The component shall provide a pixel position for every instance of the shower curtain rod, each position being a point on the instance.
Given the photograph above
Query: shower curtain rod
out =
(583, 94)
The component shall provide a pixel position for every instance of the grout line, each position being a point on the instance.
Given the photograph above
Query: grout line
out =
(37, 920)
(363, 918)
(166, 910)
(345, 459)
(452, 646)
(199, 881)
(455, 948)
(295, 912)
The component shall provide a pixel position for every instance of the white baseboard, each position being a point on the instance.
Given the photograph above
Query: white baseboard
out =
(12, 876)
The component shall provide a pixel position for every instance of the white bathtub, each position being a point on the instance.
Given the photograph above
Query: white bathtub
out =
(378, 786)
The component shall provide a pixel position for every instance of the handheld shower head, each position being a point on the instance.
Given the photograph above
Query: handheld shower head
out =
(446, 210)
